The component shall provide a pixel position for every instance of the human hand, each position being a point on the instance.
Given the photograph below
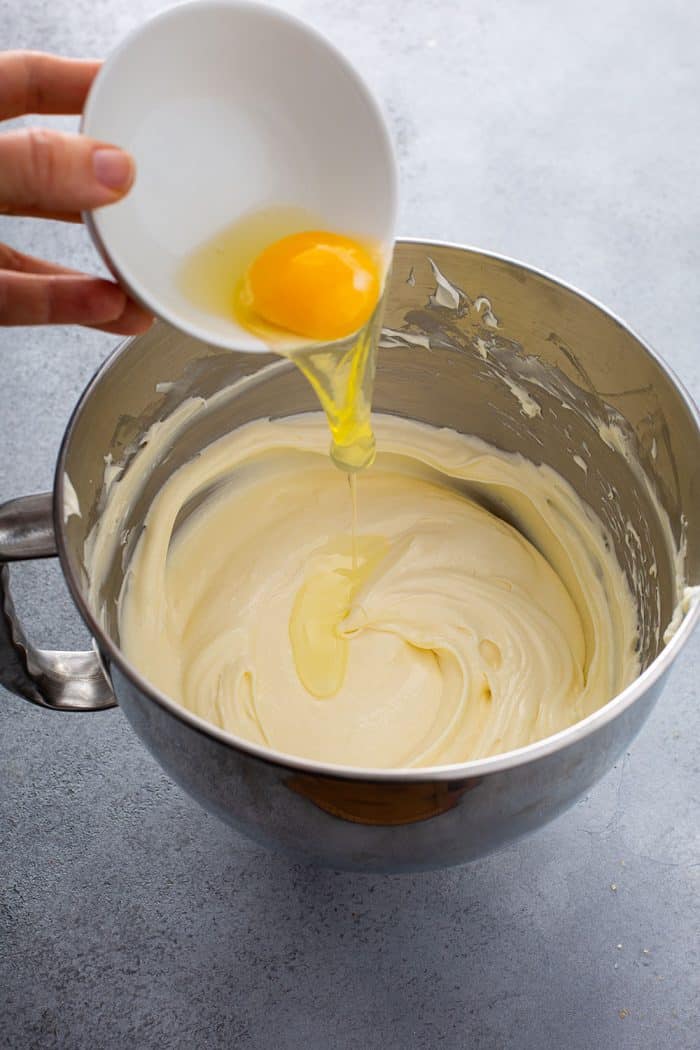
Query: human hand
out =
(53, 175)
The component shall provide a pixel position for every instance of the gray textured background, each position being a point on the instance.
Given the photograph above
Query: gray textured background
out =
(563, 133)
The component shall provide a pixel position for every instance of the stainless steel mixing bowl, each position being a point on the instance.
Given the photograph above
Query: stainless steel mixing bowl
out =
(471, 341)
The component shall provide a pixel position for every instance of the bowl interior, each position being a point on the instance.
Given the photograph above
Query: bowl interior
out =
(471, 342)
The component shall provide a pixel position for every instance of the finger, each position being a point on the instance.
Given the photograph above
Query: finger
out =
(133, 319)
(32, 82)
(51, 171)
(58, 299)
(10, 259)
(32, 299)
(56, 216)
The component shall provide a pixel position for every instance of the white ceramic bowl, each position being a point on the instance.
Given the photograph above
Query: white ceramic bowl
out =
(230, 107)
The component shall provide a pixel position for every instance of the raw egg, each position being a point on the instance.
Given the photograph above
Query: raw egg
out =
(316, 284)
(309, 294)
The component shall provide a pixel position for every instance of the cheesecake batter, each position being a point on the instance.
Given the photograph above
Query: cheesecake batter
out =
(479, 609)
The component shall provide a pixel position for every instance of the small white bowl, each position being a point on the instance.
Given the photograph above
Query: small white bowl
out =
(231, 107)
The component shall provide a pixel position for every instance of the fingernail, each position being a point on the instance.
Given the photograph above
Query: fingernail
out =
(113, 168)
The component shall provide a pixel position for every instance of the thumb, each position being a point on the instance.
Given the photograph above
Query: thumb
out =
(57, 172)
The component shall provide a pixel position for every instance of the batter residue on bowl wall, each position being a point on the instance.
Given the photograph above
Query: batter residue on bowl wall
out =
(484, 611)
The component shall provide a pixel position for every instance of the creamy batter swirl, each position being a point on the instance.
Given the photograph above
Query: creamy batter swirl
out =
(487, 611)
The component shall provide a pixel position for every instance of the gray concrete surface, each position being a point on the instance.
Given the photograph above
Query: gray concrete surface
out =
(563, 133)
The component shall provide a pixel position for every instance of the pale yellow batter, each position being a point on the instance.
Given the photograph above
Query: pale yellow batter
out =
(456, 637)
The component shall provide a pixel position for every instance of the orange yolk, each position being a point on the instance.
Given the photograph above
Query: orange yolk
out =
(315, 284)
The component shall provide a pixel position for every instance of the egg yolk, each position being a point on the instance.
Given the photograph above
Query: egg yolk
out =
(316, 284)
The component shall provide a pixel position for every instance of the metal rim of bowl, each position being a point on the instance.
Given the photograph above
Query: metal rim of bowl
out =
(474, 768)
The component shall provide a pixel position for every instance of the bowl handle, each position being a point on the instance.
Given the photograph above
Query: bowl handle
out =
(63, 681)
